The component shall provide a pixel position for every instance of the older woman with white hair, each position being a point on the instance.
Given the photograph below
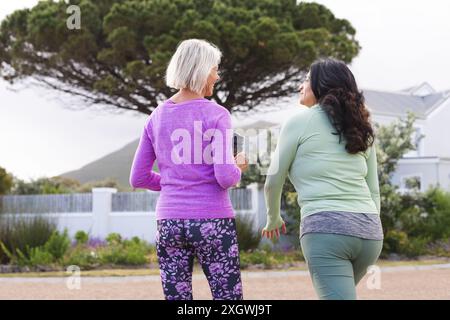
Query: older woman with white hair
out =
(191, 137)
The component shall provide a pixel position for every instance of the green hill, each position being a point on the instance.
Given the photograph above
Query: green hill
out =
(115, 165)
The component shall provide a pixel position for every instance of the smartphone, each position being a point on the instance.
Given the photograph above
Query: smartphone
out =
(238, 143)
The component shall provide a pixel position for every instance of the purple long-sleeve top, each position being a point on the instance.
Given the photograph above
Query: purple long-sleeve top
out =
(192, 143)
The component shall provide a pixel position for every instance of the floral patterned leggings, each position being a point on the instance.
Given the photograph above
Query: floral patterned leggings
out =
(213, 242)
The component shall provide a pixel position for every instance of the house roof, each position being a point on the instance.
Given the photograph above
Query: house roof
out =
(422, 89)
(399, 103)
(421, 100)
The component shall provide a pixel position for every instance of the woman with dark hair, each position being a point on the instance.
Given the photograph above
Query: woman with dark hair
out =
(329, 153)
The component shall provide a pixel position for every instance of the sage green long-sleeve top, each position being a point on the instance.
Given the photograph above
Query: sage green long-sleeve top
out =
(325, 176)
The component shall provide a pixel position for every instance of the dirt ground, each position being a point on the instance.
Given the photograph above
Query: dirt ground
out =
(412, 282)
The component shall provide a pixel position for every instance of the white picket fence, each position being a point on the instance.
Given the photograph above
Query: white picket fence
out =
(105, 210)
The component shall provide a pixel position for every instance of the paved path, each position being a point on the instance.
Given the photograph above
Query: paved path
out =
(409, 282)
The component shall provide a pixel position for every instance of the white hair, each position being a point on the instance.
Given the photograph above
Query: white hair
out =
(191, 65)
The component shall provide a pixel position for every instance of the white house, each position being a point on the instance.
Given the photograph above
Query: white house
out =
(429, 165)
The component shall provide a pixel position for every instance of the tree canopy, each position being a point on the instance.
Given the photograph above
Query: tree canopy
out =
(6, 181)
(119, 55)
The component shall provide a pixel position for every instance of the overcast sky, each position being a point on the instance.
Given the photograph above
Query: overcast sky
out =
(404, 43)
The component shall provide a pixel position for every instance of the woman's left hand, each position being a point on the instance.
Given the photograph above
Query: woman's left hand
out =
(241, 161)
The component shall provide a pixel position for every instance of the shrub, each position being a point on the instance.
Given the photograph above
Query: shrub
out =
(81, 237)
(124, 252)
(268, 258)
(82, 257)
(36, 257)
(57, 245)
(39, 257)
(426, 214)
(120, 255)
(395, 241)
(440, 248)
(416, 247)
(248, 237)
(22, 234)
(398, 242)
(52, 251)
(257, 257)
(113, 239)
(437, 206)
(420, 220)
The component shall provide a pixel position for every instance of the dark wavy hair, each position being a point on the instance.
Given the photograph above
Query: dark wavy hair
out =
(335, 89)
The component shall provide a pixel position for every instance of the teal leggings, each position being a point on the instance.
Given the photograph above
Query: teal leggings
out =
(337, 263)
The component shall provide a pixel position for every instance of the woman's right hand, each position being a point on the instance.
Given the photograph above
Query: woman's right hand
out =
(241, 161)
